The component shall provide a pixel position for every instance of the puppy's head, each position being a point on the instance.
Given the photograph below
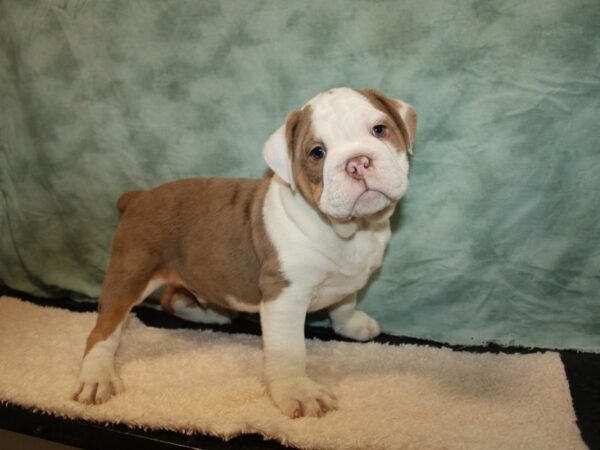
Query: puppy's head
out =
(346, 151)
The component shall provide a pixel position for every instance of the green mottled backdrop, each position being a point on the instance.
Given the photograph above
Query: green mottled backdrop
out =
(499, 236)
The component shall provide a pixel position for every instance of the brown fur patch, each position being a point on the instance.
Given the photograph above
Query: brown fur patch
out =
(271, 281)
(300, 138)
(204, 235)
(399, 135)
(125, 199)
(122, 288)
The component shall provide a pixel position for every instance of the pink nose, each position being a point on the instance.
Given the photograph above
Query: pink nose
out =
(358, 167)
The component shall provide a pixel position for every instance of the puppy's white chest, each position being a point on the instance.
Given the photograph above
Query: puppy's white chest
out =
(349, 269)
(317, 262)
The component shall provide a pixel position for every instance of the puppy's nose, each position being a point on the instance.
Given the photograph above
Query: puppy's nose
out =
(358, 166)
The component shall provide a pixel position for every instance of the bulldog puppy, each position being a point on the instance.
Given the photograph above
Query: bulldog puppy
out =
(306, 238)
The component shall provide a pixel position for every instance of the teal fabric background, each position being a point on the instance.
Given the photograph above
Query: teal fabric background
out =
(499, 236)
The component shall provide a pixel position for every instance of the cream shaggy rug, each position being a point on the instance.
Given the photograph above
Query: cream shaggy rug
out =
(390, 397)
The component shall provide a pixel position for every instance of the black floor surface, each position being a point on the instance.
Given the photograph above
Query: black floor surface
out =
(582, 369)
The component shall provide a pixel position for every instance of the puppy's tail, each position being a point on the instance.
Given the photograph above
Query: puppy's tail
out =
(125, 199)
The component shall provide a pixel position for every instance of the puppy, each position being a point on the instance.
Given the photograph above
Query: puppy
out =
(306, 238)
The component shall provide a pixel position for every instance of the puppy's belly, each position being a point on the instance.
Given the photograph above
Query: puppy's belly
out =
(225, 300)
(232, 302)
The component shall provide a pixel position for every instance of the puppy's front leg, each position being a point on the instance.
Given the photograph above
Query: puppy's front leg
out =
(352, 323)
(282, 322)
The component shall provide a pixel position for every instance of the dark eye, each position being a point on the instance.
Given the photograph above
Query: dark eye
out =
(379, 131)
(318, 153)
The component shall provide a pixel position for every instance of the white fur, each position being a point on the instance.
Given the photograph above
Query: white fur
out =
(153, 285)
(312, 255)
(322, 268)
(282, 322)
(326, 256)
(98, 380)
(275, 153)
(349, 322)
(342, 119)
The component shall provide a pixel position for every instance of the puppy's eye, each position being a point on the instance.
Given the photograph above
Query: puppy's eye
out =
(318, 153)
(379, 131)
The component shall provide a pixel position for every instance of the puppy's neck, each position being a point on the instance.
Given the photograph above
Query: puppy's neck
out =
(348, 228)
(345, 229)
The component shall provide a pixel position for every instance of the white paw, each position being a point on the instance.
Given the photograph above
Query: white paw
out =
(360, 326)
(98, 381)
(98, 391)
(301, 397)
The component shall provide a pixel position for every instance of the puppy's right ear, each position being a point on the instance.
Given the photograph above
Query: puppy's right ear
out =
(277, 156)
(278, 150)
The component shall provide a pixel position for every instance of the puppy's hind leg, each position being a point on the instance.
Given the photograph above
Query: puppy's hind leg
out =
(122, 289)
(183, 304)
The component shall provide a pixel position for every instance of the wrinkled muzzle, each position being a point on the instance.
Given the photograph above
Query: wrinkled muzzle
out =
(363, 184)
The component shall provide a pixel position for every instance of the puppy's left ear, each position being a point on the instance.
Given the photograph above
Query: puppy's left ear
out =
(409, 116)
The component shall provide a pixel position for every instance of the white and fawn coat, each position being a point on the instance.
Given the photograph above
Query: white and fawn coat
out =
(306, 238)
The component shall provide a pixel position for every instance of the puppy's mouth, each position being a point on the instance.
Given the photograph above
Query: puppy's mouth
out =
(346, 200)
(368, 202)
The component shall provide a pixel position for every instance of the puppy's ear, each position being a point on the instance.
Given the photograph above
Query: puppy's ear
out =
(401, 112)
(409, 116)
(278, 151)
(277, 156)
